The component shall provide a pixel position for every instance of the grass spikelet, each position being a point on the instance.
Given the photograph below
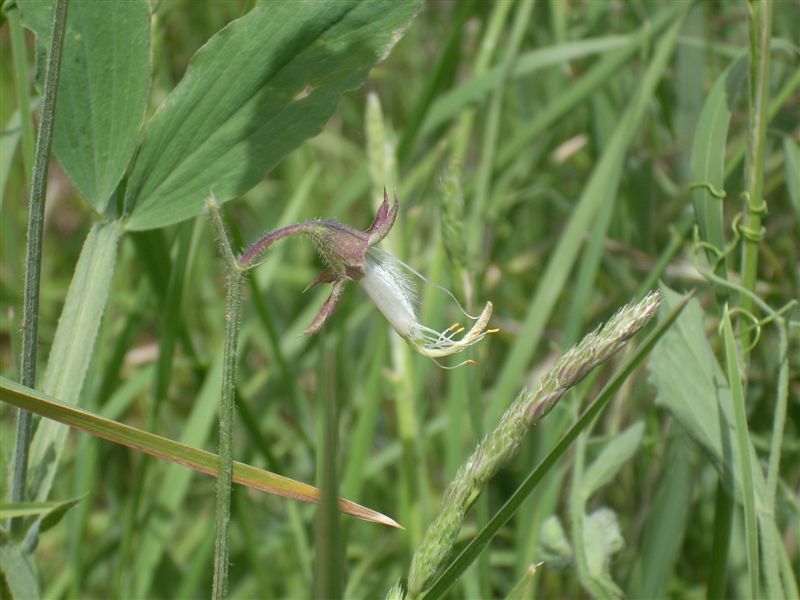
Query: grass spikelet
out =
(500, 446)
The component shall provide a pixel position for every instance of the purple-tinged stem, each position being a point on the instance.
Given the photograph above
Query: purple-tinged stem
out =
(257, 247)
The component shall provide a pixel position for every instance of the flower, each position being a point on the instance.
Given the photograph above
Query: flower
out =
(394, 295)
(349, 255)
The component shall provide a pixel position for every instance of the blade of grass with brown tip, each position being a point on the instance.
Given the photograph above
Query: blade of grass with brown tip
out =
(161, 447)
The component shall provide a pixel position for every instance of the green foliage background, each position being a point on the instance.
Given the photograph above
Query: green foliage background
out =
(543, 155)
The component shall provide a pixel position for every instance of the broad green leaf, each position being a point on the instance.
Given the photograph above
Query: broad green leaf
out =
(72, 347)
(103, 90)
(615, 453)
(708, 153)
(691, 385)
(251, 95)
(18, 579)
(161, 447)
(602, 184)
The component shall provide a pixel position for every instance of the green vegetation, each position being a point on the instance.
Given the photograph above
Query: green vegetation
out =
(555, 163)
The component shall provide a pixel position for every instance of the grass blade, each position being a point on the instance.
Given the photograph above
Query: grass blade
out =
(73, 345)
(744, 443)
(161, 447)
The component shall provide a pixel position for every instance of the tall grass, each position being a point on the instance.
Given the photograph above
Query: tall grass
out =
(558, 159)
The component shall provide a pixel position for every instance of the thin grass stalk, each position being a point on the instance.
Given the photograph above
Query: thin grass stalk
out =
(488, 46)
(721, 538)
(760, 24)
(492, 132)
(744, 443)
(771, 557)
(779, 419)
(502, 444)
(448, 576)
(328, 547)
(234, 276)
(446, 66)
(779, 99)
(33, 253)
(19, 55)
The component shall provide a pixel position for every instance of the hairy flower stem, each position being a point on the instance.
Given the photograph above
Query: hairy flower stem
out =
(33, 255)
(233, 299)
(501, 445)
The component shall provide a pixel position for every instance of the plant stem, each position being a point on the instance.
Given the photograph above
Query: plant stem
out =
(33, 253)
(475, 227)
(758, 98)
(224, 479)
(721, 540)
(329, 564)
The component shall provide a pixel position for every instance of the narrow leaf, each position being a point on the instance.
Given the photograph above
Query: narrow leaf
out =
(791, 164)
(72, 347)
(252, 94)
(172, 451)
(12, 510)
(612, 457)
(708, 153)
(744, 445)
(103, 90)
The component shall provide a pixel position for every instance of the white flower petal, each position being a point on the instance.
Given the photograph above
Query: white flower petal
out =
(393, 293)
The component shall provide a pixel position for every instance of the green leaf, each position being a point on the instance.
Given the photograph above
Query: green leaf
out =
(50, 512)
(103, 90)
(708, 153)
(743, 444)
(791, 164)
(664, 529)
(161, 447)
(691, 385)
(72, 347)
(614, 454)
(18, 579)
(251, 95)
(602, 538)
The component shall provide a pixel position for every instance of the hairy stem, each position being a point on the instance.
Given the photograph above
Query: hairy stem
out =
(33, 253)
(224, 479)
